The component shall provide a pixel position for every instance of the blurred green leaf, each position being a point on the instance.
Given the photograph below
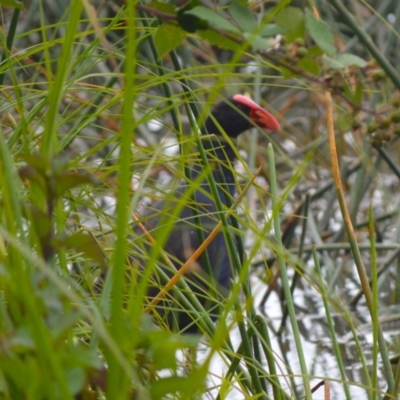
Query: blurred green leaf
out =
(71, 179)
(164, 346)
(357, 98)
(320, 33)
(344, 121)
(214, 19)
(191, 23)
(292, 20)
(34, 175)
(41, 221)
(172, 385)
(216, 39)
(257, 42)
(160, 6)
(76, 379)
(12, 3)
(314, 51)
(310, 65)
(85, 242)
(331, 63)
(36, 161)
(245, 19)
(272, 30)
(168, 37)
(348, 60)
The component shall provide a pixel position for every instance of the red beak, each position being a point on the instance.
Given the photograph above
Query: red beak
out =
(259, 115)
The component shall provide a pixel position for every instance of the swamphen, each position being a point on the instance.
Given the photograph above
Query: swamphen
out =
(233, 116)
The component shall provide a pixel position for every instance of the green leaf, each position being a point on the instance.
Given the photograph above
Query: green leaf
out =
(216, 39)
(286, 73)
(36, 161)
(292, 19)
(309, 65)
(41, 222)
(85, 242)
(34, 175)
(76, 379)
(167, 38)
(70, 180)
(191, 23)
(258, 42)
(214, 19)
(350, 59)
(331, 63)
(272, 30)
(12, 3)
(163, 7)
(357, 98)
(342, 61)
(344, 121)
(174, 384)
(320, 33)
(245, 19)
(314, 51)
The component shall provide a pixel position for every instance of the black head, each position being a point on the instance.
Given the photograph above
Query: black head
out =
(238, 114)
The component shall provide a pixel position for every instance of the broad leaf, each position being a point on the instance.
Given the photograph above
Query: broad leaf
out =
(191, 23)
(258, 42)
(320, 33)
(244, 18)
(309, 65)
(331, 63)
(164, 7)
(351, 59)
(216, 39)
(292, 19)
(12, 4)
(70, 180)
(85, 243)
(168, 37)
(272, 30)
(214, 19)
(172, 385)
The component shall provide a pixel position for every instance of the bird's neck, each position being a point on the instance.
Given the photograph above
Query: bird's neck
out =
(221, 156)
(220, 150)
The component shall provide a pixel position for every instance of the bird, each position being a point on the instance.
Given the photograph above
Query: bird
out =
(232, 116)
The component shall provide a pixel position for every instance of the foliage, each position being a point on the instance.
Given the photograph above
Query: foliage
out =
(94, 101)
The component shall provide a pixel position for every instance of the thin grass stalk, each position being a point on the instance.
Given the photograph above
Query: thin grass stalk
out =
(257, 356)
(331, 326)
(90, 114)
(392, 165)
(56, 90)
(397, 382)
(161, 72)
(118, 382)
(375, 304)
(284, 275)
(296, 276)
(9, 42)
(247, 355)
(279, 393)
(352, 239)
(272, 376)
